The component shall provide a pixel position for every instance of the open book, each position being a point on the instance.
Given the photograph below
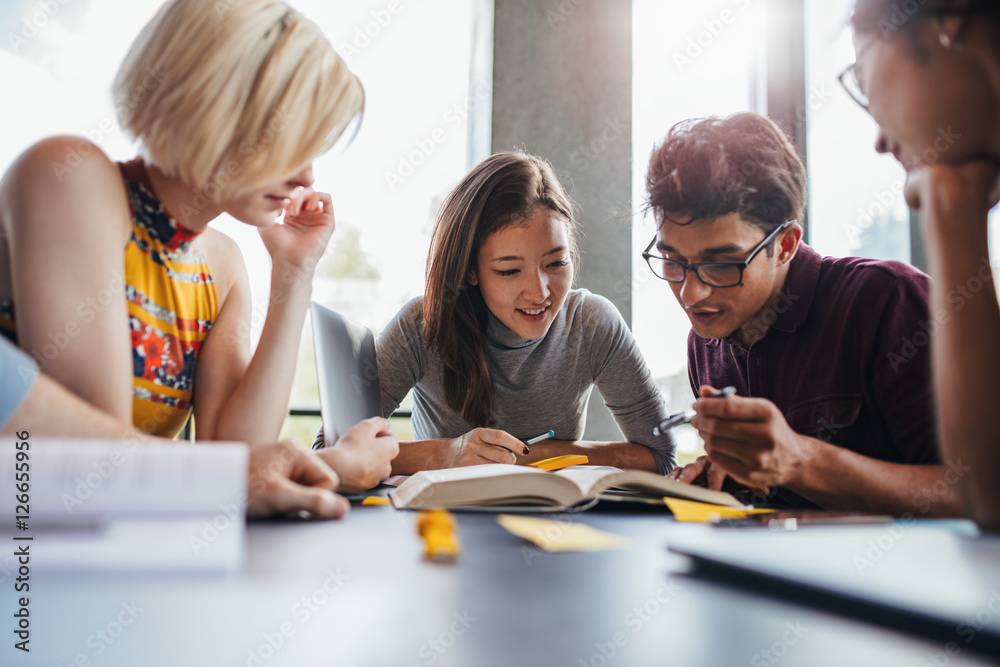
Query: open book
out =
(496, 484)
(118, 506)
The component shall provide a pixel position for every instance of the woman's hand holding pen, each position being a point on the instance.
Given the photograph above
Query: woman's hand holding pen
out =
(482, 445)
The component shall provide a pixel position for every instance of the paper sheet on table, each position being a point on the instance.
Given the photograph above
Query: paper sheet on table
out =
(689, 510)
(561, 535)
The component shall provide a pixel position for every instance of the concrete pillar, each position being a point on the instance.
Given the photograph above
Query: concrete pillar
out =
(562, 89)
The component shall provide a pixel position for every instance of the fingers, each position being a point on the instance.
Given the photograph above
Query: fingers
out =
(295, 202)
(737, 469)
(310, 470)
(498, 438)
(689, 473)
(716, 476)
(280, 495)
(307, 200)
(369, 428)
(737, 408)
(493, 454)
(913, 188)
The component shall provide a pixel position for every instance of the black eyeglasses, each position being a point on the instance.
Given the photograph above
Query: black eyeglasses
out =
(849, 80)
(714, 274)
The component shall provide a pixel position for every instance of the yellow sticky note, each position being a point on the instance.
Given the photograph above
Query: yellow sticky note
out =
(561, 535)
(689, 510)
(376, 500)
(560, 462)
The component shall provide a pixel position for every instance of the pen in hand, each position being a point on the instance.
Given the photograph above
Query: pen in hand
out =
(538, 438)
(688, 415)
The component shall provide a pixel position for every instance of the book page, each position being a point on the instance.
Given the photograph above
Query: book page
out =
(587, 477)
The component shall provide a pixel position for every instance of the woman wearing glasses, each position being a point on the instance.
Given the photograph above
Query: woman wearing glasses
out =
(931, 79)
(501, 349)
(828, 355)
(109, 275)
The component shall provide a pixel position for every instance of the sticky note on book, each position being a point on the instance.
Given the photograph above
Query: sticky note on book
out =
(561, 535)
(695, 512)
(560, 462)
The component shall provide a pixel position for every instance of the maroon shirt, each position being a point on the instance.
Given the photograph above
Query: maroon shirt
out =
(845, 357)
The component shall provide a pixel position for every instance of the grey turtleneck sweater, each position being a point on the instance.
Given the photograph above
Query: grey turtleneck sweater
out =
(540, 384)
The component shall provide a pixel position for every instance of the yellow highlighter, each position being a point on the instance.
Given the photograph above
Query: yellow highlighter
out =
(560, 462)
(437, 527)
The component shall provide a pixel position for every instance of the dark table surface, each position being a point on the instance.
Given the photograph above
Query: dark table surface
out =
(358, 592)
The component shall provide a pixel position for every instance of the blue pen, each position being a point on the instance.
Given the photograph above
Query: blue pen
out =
(688, 415)
(539, 438)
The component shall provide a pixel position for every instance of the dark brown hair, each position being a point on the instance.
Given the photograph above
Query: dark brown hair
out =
(709, 167)
(889, 17)
(503, 190)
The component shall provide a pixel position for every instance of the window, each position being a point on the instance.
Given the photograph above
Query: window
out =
(856, 204)
(386, 186)
(689, 60)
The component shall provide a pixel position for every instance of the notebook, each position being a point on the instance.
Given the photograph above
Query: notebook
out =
(121, 507)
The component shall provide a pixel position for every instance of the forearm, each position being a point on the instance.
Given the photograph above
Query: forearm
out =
(417, 455)
(966, 356)
(839, 479)
(49, 410)
(257, 408)
(625, 455)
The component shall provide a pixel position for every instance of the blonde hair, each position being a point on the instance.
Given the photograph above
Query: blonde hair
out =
(228, 94)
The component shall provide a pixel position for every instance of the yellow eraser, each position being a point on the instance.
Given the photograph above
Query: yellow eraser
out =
(560, 462)
(376, 500)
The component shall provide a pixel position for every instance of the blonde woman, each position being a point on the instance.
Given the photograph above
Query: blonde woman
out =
(109, 276)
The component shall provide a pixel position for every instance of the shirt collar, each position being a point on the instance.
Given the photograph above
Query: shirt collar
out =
(799, 289)
(499, 335)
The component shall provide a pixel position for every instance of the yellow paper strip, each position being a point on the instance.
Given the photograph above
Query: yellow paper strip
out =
(376, 500)
(560, 462)
(689, 510)
(555, 536)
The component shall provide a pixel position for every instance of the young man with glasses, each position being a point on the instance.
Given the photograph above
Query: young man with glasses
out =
(829, 356)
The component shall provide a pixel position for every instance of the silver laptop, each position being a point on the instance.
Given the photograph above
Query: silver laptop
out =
(938, 579)
(347, 373)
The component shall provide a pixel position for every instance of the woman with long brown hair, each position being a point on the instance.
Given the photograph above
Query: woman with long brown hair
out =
(500, 348)
(929, 73)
